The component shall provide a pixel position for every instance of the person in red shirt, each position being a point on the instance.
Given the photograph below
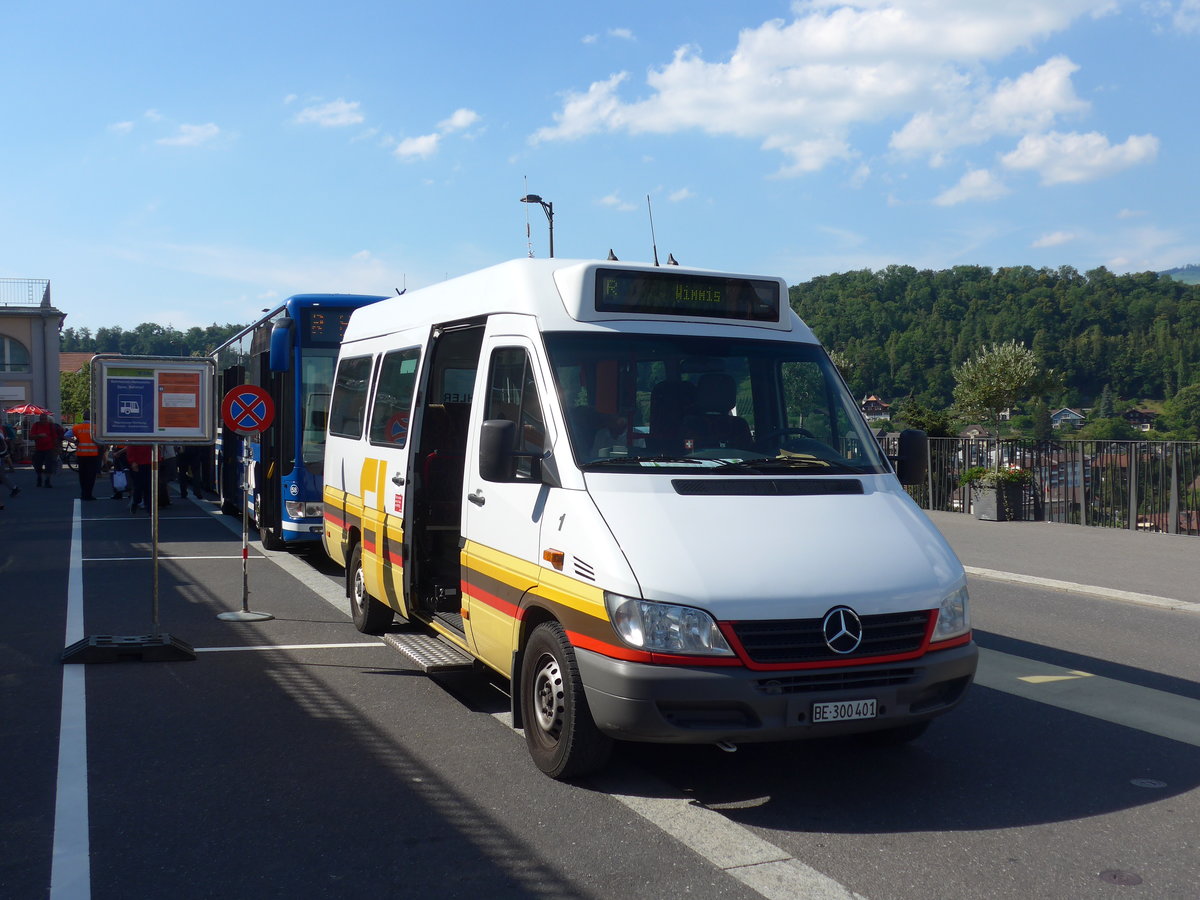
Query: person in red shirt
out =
(138, 456)
(46, 441)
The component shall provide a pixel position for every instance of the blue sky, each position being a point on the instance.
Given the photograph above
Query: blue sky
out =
(186, 163)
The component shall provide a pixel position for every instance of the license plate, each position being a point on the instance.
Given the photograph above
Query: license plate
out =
(843, 711)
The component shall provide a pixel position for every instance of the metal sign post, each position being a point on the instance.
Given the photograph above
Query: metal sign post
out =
(151, 400)
(247, 410)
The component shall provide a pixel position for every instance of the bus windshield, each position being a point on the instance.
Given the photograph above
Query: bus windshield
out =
(316, 379)
(635, 402)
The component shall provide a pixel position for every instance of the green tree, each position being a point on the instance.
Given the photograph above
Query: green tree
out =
(995, 380)
(75, 391)
(935, 423)
(1183, 413)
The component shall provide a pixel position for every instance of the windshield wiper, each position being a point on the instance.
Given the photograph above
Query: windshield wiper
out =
(691, 462)
(764, 464)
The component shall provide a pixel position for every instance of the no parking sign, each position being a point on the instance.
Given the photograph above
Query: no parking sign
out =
(247, 409)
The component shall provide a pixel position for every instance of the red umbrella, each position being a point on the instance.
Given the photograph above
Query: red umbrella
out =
(28, 409)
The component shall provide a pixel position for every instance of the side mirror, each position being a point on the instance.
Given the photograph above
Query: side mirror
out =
(281, 344)
(496, 439)
(912, 460)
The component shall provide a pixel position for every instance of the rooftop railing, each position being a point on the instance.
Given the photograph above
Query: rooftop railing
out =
(25, 292)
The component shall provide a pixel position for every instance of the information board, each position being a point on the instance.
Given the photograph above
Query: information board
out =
(153, 399)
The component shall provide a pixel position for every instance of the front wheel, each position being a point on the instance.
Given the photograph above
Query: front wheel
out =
(270, 540)
(370, 616)
(559, 731)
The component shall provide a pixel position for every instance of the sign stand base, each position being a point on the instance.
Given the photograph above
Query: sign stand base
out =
(244, 615)
(102, 648)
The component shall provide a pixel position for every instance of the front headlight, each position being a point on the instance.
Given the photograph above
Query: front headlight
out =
(300, 510)
(954, 618)
(665, 627)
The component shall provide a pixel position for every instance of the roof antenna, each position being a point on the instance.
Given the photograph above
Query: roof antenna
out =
(653, 243)
(528, 238)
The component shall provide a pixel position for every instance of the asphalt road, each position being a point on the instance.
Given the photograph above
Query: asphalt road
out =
(297, 758)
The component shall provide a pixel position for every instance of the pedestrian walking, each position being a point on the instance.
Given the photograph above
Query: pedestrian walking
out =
(13, 490)
(121, 480)
(87, 456)
(10, 447)
(46, 441)
(139, 456)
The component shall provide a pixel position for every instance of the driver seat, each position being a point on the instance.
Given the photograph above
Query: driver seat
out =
(709, 422)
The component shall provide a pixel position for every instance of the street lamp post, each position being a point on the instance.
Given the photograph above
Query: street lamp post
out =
(548, 209)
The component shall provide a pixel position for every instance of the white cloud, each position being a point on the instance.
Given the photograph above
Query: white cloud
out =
(153, 115)
(1131, 213)
(1072, 158)
(1031, 102)
(271, 275)
(415, 148)
(334, 114)
(289, 99)
(614, 201)
(1184, 15)
(1053, 239)
(802, 87)
(624, 34)
(459, 119)
(590, 38)
(681, 195)
(191, 136)
(121, 127)
(977, 184)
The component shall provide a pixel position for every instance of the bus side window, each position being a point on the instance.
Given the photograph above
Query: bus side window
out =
(349, 401)
(393, 397)
(513, 395)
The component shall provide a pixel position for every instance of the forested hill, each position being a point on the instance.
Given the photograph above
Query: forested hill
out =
(902, 331)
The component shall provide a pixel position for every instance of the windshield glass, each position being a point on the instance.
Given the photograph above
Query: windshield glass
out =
(316, 375)
(644, 402)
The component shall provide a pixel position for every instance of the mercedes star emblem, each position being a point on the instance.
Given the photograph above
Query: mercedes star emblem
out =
(842, 629)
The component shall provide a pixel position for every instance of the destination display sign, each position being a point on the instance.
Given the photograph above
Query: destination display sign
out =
(663, 292)
(325, 327)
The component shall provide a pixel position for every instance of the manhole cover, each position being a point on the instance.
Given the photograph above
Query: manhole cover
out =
(1117, 876)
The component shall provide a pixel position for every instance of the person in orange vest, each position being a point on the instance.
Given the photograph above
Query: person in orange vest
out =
(87, 457)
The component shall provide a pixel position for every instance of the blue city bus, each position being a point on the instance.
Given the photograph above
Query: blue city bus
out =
(290, 352)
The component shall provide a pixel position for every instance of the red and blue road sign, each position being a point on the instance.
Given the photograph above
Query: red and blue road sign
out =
(247, 409)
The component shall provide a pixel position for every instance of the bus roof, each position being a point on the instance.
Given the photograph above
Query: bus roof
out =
(562, 293)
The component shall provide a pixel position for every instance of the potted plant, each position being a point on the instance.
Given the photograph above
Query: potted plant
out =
(997, 494)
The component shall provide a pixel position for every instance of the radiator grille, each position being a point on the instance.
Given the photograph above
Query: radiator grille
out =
(802, 640)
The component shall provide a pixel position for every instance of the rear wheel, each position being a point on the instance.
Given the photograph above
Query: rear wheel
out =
(370, 616)
(559, 730)
(270, 540)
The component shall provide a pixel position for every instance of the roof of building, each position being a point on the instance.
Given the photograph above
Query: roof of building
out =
(73, 362)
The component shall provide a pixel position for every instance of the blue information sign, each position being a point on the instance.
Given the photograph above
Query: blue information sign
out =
(130, 407)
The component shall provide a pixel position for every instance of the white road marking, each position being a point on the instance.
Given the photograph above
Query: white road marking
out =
(1130, 705)
(70, 868)
(375, 644)
(161, 558)
(1072, 587)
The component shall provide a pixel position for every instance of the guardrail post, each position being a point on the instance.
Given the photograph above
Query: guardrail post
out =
(1132, 480)
(1173, 500)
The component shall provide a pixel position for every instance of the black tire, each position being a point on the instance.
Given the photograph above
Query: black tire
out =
(270, 540)
(559, 730)
(370, 616)
(895, 737)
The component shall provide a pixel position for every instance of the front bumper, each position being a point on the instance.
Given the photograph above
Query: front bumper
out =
(671, 704)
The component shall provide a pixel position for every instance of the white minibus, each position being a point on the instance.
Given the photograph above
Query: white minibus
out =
(645, 497)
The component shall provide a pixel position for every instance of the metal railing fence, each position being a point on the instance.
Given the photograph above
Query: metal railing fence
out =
(24, 292)
(1149, 486)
